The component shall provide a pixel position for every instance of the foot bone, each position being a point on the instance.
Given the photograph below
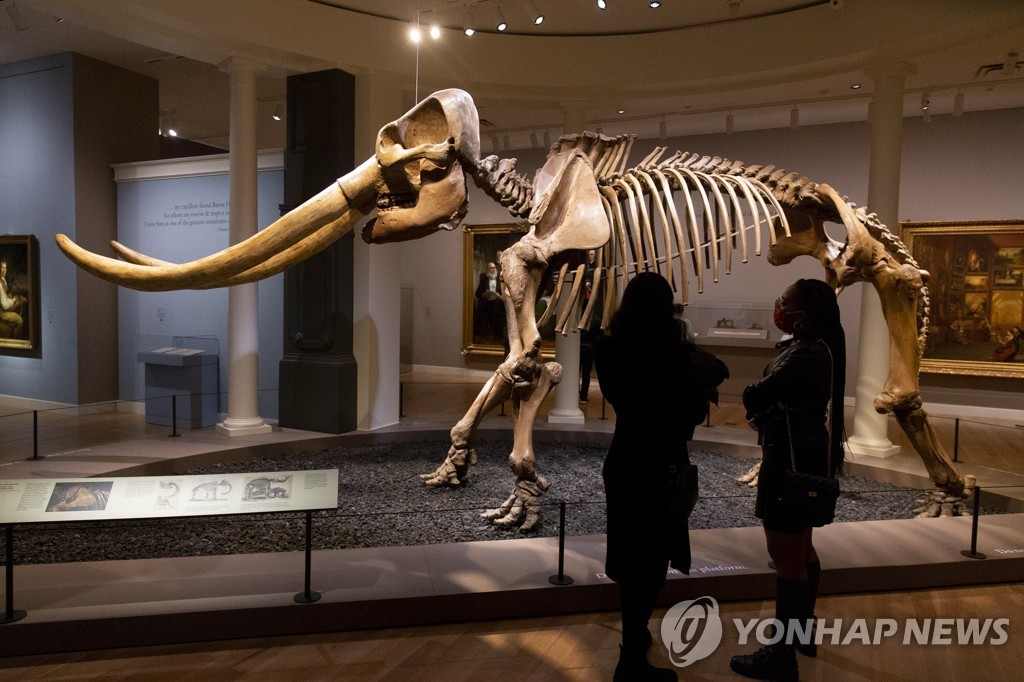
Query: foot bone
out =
(522, 507)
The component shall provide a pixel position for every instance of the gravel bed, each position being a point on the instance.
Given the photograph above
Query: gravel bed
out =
(382, 502)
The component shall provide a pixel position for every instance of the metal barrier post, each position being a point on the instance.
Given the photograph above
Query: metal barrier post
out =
(174, 417)
(35, 434)
(956, 439)
(401, 399)
(561, 578)
(973, 552)
(10, 615)
(308, 596)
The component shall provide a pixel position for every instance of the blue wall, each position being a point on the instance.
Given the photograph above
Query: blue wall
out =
(37, 197)
(149, 221)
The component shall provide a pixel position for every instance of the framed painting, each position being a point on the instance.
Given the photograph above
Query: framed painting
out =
(484, 330)
(19, 295)
(976, 288)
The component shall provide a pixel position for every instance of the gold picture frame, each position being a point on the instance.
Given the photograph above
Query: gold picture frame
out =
(19, 312)
(976, 287)
(483, 312)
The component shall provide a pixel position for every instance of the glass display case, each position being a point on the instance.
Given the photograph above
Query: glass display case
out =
(733, 324)
(182, 380)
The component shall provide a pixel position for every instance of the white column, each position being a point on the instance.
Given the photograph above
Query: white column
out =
(870, 429)
(377, 273)
(567, 348)
(243, 311)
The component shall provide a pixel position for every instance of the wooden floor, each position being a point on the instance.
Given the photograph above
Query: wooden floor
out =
(577, 647)
(585, 646)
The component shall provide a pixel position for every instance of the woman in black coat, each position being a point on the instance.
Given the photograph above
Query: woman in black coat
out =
(660, 386)
(797, 409)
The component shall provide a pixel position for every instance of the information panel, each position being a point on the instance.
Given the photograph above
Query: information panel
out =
(103, 499)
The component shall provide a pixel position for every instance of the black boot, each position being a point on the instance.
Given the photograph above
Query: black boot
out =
(810, 649)
(772, 662)
(777, 661)
(634, 666)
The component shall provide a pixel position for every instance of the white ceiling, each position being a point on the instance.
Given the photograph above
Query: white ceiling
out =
(687, 63)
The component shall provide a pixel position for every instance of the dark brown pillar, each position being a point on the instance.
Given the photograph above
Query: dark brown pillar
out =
(318, 372)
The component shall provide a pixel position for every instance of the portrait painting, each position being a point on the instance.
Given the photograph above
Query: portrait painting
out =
(484, 328)
(19, 295)
(976, 295)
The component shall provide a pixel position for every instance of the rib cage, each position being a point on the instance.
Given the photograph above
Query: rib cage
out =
(733, 199)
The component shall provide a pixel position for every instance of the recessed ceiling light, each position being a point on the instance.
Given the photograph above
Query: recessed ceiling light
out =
(654, 4)
(855, 86)
(601, 4)
(621, 111)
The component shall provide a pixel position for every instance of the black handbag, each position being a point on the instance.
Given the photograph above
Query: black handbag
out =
(810, 496)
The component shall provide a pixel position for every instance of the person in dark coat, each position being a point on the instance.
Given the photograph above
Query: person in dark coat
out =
(797, 409)
(659, 386)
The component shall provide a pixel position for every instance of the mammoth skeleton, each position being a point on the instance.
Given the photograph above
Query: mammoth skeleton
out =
(584, 197)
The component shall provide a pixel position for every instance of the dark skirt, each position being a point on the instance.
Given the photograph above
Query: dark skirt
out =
(643, 537)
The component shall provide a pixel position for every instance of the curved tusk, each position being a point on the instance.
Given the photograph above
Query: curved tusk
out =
(325, 210)
(296, 253)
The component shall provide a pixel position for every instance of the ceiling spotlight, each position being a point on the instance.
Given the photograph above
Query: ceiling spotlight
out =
(855, 86)
(621, 111)
(601, 4)
(435, 32)
(958, 104)
(277, 115)
(729, 123)
(654, 4)
(469, 30)
(502, 24)
(415, 35)
(538, 18)
(794, 117)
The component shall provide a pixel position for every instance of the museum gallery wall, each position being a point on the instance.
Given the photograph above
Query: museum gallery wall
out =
(934, 187)
(182, 218)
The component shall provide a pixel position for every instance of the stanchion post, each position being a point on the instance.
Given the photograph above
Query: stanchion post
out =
(35, 434)
(973, 552)
(561, 578)
(401, 399)
(10, 615)
(308, 596)
(174, 417)
(603, 403)
(956, 439)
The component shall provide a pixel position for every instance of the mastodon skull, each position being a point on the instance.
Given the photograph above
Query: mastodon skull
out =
(422, 157)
